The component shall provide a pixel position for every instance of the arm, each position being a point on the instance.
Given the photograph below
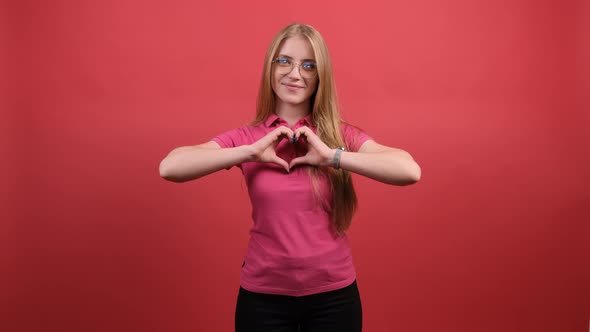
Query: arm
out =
(192, 162)
(381, 163)
(373, 160)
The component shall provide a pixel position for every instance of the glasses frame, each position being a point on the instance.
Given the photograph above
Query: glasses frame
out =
(295, 64)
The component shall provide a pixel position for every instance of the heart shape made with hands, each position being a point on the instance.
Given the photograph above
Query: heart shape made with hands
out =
(310, 150)
(282, 154)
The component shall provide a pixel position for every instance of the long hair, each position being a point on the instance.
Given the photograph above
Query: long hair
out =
(325, 116)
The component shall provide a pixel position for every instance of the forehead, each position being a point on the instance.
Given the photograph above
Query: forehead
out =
(297, 47)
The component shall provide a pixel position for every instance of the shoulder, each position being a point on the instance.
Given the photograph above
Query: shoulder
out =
(245, 129)
(350, 129)
(237, 136)
(353, 136)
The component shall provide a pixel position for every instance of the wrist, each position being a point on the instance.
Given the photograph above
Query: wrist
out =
(335, 162)
(249, 153)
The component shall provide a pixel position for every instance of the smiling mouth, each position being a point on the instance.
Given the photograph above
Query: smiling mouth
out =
(292, 86)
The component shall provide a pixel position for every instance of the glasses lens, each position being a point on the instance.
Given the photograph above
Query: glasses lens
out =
(307, 70)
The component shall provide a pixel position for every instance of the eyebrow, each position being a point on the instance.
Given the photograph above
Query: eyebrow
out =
(291, 58)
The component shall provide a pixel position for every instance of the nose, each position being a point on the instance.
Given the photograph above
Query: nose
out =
(295, 73)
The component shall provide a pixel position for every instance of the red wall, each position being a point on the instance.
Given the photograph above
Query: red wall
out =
(490, 97)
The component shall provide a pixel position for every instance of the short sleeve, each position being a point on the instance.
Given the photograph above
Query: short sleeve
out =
(231, 138)
(354, 137)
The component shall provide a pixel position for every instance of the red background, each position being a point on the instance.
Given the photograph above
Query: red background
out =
(490, 97)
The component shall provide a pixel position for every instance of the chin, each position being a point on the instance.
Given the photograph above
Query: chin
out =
(292, 100)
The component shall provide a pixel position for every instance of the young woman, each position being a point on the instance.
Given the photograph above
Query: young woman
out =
(296, 157)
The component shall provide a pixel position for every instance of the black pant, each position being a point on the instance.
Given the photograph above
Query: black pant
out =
(338, 310)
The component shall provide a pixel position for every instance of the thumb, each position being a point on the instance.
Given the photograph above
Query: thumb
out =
(281, 162)
(298, 161)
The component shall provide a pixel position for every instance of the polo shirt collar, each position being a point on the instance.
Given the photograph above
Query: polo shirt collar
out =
(273, 119)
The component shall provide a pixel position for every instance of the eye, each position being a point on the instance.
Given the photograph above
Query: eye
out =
(283, 61)
(308, 66)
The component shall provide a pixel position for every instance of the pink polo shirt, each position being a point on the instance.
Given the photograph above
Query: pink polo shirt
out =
(292, 249)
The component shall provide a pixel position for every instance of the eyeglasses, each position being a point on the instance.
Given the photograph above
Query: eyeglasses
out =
(307, 69)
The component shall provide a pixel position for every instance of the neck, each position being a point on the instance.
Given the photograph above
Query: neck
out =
(291, 113)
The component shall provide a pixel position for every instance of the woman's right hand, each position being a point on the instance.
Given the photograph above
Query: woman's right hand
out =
(263, 150)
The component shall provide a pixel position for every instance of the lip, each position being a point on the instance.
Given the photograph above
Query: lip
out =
(292, 85)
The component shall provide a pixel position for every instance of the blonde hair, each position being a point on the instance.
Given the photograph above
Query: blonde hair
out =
(324, 114)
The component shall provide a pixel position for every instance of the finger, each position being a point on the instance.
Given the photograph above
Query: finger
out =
(284, 133)
(285, 130)
(275, 137)
(305, 131)
(299, 133)
(281, 133)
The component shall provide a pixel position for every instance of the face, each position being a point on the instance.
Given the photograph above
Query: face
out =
(289, 85)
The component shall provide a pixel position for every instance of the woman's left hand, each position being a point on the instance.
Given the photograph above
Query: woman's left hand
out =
(318, 153)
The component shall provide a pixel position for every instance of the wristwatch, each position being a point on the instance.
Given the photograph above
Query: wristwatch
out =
(336, 158)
